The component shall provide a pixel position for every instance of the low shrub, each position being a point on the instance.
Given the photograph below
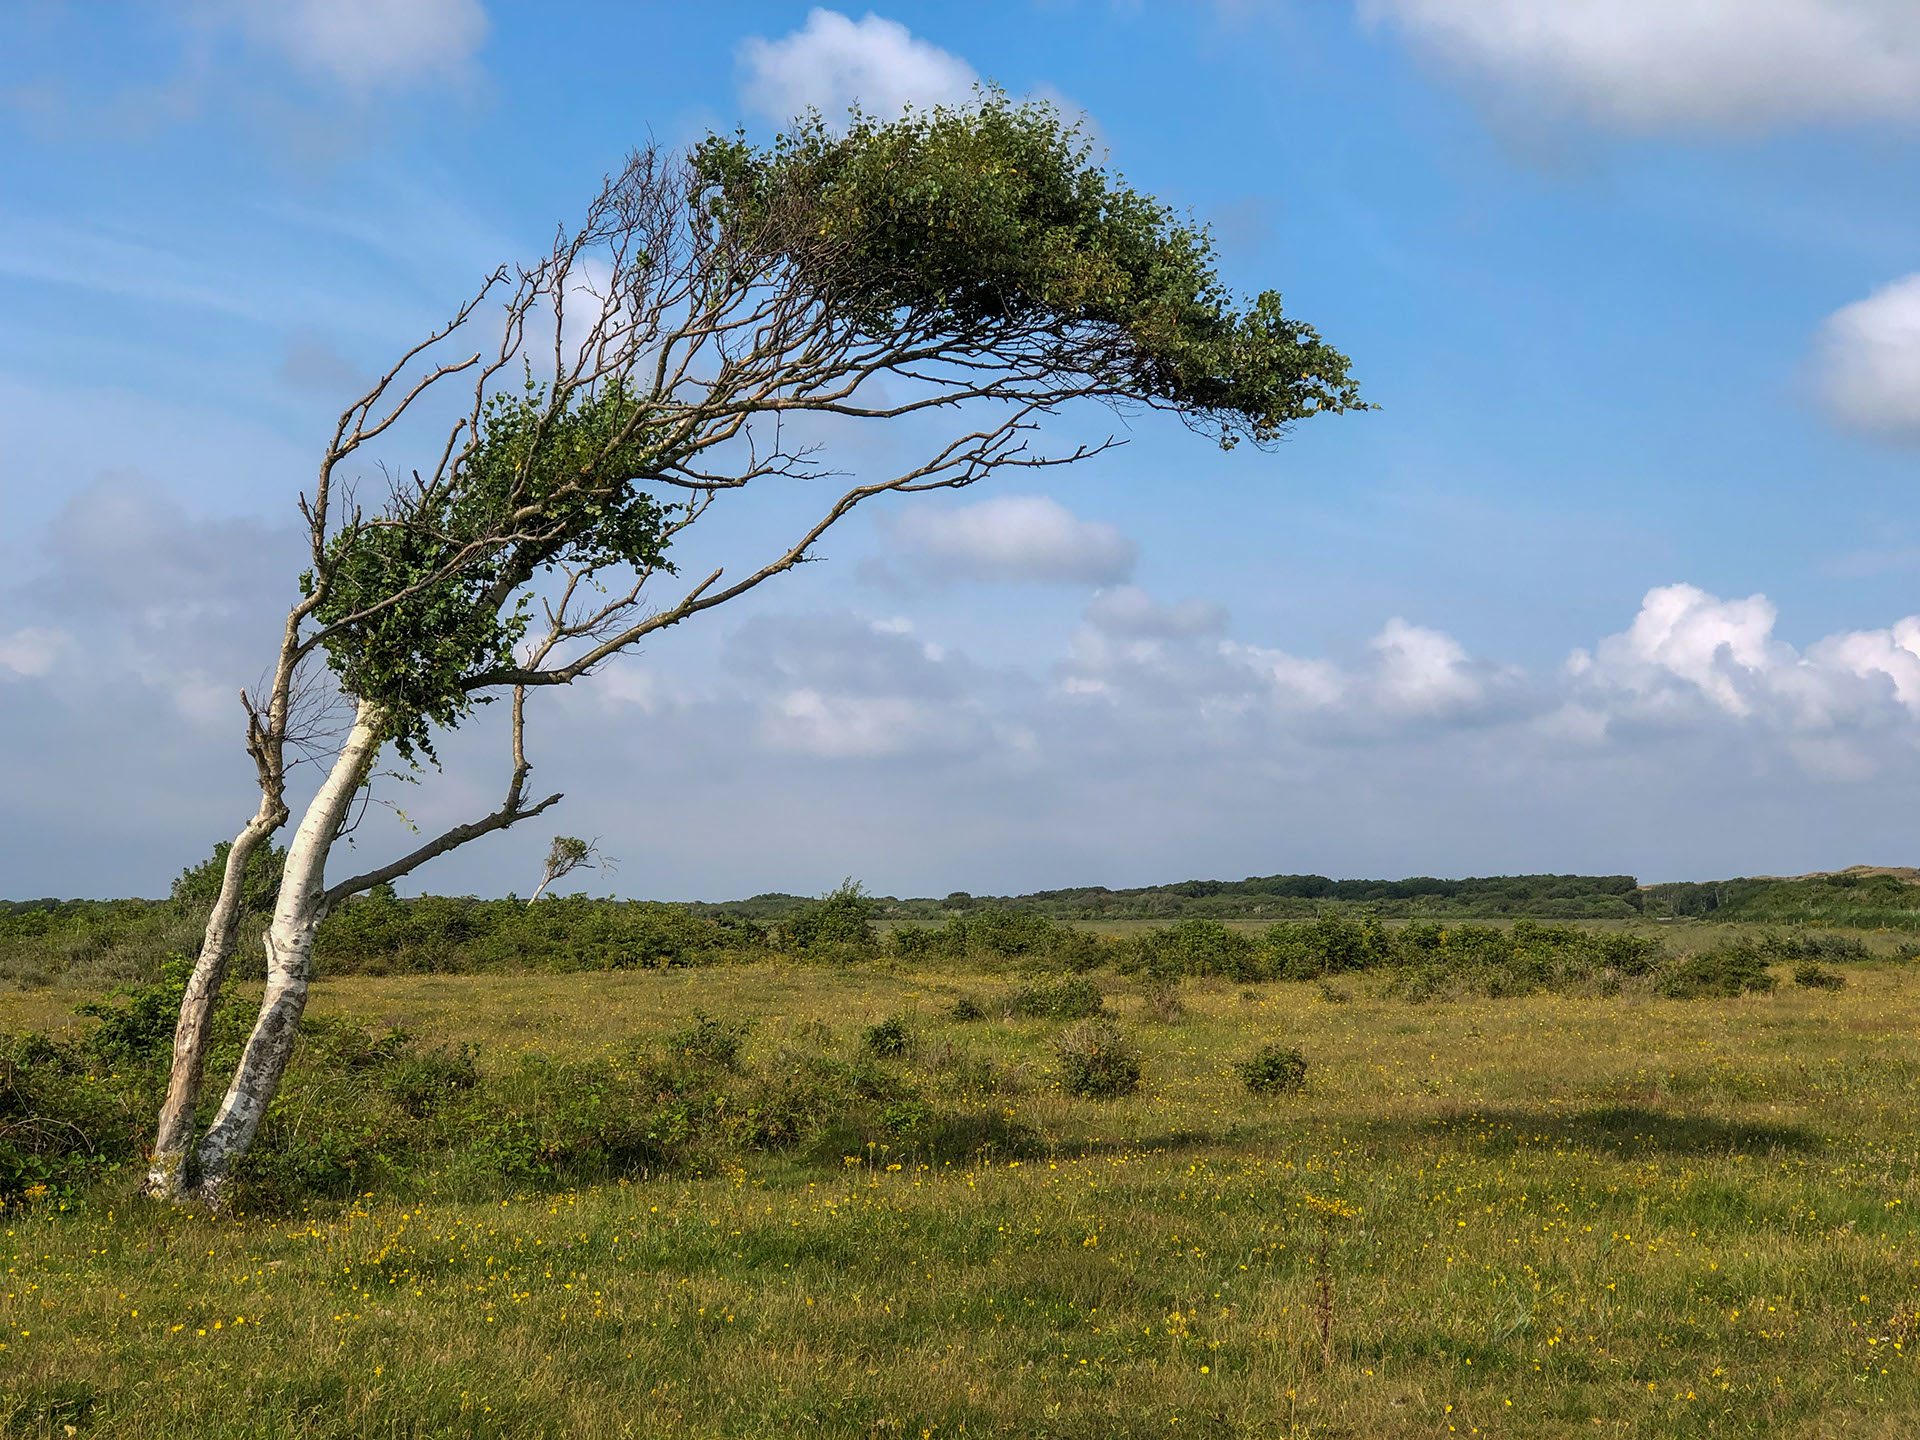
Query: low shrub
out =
(997, 936)
(1096, 1060)
(965, 1008)
(1813, 946)
(1193, 947)
(709, 1040)
(1729, 970)
(889, 1039)
(1273, 1068)
(1073, 999)
(1816, 977)
(960, 1071)
(838, 926)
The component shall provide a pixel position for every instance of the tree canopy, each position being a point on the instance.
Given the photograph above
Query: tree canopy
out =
(980, 255)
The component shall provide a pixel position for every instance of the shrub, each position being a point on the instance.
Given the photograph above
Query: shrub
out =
(838, 925)
(1194, 947)
(890, 1038)
(1096, 1060)
(198, 886)
(708, 1040)
(1814, 977)
(420, 1083)
(1057, 1000)
(1273, 1068)
(1730, 970)
(136, 1022)
(1326, 945)
(1813, 945)
(965, 1009)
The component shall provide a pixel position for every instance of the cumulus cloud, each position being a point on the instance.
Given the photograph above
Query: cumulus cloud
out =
(1644, 65)
(1146, 659)
(1425, 672)
(1014, 537)
(1691, 658)
(1869, 361)
(832, 62)
(371, 44)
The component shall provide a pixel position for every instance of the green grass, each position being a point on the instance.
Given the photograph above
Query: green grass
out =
(1549, 1216)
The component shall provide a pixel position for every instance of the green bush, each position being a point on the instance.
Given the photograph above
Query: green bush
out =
(709, 1040)
(1813, 945)
(1326, 945)
(379, 933)
(839, 925)
(1273, 1068)
(1729, 970)
(1193, 947)
(136, 1022)
(997, 936)
(1073, 999)
(1816, 977)
(198, 886)
(889, 1039)
(1096, 1060)
(965, 1008)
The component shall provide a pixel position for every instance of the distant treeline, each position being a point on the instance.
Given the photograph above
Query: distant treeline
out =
(1848, 898)
(1264, 897)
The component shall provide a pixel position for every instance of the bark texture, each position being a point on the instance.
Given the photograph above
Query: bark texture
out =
(301, 907)
(173, 1135)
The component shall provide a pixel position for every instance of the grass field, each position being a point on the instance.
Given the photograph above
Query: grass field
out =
(1548, 1216)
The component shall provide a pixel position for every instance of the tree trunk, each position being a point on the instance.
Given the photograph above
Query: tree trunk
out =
(173, 1136)
(297, 914)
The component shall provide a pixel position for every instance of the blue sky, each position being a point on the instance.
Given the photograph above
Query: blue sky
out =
(1618, 577)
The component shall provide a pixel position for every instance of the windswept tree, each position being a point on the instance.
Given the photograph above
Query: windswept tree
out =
(958, 277)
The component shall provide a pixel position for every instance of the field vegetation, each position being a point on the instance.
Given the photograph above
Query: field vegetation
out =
(1331, 1177)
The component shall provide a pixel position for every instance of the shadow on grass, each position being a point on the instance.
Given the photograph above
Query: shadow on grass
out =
(1609, 1129)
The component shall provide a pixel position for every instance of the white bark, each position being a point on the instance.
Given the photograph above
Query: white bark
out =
(173, 1135)
(289, 941)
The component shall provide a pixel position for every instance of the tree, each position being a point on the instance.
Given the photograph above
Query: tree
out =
(959, 277)
(568, 854)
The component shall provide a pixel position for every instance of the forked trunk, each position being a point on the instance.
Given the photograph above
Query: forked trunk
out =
(173, 1136)
(289, 941)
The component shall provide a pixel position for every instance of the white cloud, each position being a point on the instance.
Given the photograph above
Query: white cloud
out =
(1424, 672)
(1869, 360)
(371, 44)
(841, 727)
(1643, 65)
(31, 651)
(1148, 659)
(1690, 658)
(1129, 610)
(833, 62)
(1014, 537)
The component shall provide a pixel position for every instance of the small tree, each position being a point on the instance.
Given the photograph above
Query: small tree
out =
(959, 277)
(568, 854)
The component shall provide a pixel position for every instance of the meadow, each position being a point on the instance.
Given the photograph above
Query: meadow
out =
(1555, 1213)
